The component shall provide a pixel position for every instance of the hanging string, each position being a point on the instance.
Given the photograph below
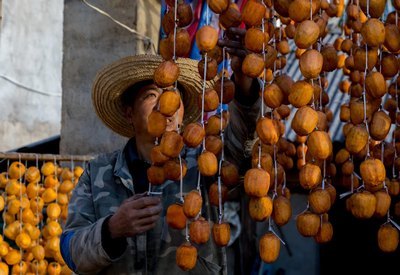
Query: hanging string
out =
(187, 237)
(259, 153)
(264, 70)
(37, 207)
(270, 229)
(262, 111)
(37, 190)
(21, 252)
(220, 207)
(275, 170)
(202, 113)
(203, 93)
(313, 97)
(221, 128)
(140, 36)
(394, 223)
(284, 183)
(41, 222)
(321, 93)
(175, 28)
(5, 200)
(324, 175)
(181, 179)
(274, 41)
(365, 98)
(396, 124)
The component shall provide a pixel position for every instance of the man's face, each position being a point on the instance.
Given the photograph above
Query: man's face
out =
(145, 102)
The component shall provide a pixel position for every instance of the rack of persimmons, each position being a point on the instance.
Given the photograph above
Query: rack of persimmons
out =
(34, 193)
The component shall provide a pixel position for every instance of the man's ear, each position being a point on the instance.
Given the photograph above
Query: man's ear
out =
(128, 112)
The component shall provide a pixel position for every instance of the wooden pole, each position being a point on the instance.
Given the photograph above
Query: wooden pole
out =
(45, 157)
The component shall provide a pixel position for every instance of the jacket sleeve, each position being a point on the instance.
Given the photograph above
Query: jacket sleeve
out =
(82, 244)
(241, 127)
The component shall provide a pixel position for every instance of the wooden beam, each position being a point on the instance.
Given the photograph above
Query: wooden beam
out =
(45, 157)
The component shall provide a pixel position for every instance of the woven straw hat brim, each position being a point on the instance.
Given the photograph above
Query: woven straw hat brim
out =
(115, 78)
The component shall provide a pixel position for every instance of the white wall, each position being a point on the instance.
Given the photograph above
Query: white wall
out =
(30, 55)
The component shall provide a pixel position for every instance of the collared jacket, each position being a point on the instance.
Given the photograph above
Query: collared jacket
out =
(107, 182)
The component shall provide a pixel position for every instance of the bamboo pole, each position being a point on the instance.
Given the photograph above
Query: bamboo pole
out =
(45, 157)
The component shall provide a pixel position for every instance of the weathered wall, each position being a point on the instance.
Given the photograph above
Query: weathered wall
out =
(30, 71)
(92, 41)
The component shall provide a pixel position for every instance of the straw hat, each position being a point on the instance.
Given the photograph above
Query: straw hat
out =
(114, 79)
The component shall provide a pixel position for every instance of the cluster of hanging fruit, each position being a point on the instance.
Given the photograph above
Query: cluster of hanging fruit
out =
(370, 60)
(366, 52)
(269, 27)
(34, 204)
(168, 165)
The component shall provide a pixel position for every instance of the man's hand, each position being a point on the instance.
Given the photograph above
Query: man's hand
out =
(234, 45)
(234, 42)
(136, 215)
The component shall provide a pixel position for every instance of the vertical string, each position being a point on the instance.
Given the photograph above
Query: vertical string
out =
(352, 178)
(313, 97)
(275, 170)
(37, 203)
(274, 41)
(5, 200)
(270, 229)
(181, 179)
(175, 28)
(204, 90)
(176, 20)
(396, 124)
(21, 252)
(259, 153)
(56, 176)
(321, 93)
(382, 152)
(284, 183)
(220, 213)
(324, 175)
(264, 57)
(187, 232)
(220, 207)
(198, 181)
(364, 96)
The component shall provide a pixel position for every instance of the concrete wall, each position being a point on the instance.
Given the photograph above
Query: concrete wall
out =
(92, 41)
(30, 71)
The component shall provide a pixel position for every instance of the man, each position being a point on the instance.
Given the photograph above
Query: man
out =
(113, 226)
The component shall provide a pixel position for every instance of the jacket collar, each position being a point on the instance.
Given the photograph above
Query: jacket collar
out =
(121, 169)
